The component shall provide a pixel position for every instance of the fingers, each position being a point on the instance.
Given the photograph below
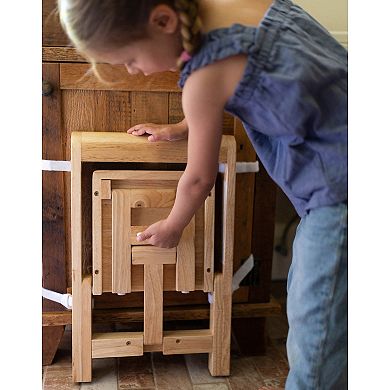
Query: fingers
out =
(142, 236)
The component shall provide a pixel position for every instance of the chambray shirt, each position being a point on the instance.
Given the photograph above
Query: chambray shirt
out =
(292, 100)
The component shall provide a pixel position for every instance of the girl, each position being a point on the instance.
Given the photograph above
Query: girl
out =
(285, 78)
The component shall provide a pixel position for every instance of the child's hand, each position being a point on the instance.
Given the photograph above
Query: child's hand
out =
(161, 234)
(171, 132)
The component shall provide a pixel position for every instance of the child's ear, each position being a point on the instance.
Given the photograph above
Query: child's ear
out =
(164, 19)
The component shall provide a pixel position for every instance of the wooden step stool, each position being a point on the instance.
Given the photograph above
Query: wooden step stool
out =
(125, 202)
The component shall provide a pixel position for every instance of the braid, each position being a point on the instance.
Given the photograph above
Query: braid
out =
(190, 26)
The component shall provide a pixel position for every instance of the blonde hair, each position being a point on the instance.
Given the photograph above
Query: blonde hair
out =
(98, 24)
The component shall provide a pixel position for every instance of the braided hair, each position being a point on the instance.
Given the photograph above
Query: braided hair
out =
(190, 27)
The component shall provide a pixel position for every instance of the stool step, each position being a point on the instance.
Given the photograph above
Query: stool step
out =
(187, 341)
(117, 344)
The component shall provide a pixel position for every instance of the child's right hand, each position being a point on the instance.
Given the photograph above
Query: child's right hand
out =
(171, 132)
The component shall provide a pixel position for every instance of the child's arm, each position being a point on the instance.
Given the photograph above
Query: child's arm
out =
(203, 104)
(169, 132)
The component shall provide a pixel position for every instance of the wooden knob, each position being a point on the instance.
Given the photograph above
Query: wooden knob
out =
(47, 88)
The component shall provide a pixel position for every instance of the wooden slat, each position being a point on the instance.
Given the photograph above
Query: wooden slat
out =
(245, 188)
(121, 249)
(140, 176)
(75, 76)
(221, 308)
(209, 217)
(171, 313)
(120, 147)
(152, 197)
(105, 189)
(81, 287)
(53, 194)
(185, 267)
(117, 344)
(148, 216)
(97, 232)
(153, 304)
(187, 341)
(153, 255)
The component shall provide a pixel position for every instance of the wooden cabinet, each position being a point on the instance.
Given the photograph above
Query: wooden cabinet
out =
(74, 100)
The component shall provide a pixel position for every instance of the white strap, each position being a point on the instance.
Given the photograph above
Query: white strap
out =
(242, 272)
(60, 166)
(243, 167)
(65, 166)
(63, 299)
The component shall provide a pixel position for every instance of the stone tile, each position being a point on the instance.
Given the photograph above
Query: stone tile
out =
(59, 377)
(135, 373)
(273, 365)
(104, 375)
(211, 386)
(197, 365)
(244, 374)
(170, 372)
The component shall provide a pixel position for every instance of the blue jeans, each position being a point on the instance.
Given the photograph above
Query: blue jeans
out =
(317, 305)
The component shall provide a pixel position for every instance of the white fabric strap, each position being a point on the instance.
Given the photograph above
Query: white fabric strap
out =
(59, 166)
(243, 167)
(242, 272)
(63, 299)
(65, 166)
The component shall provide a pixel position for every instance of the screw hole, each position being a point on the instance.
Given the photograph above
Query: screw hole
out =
(128, 342)
(96, 271)
(208, 270)
(96, 193)
(178, 341)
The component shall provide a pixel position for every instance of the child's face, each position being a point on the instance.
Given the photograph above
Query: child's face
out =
(156, 53)
(146, 56)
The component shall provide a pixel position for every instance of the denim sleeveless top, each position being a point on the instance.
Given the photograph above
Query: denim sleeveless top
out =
(292, 100)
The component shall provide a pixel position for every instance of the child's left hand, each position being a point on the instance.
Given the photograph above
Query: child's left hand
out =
(161, 234)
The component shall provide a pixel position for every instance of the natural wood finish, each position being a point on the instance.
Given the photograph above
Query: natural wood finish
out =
(97, 233)
(141, 177)
(76, 76)
(221, 308)
(187, 341)
(61, 54)
(149, 215)
(245, 184)
(153, 304)
(185, 267)
(105, 189)
(149, 107)
(81, 287)
(51, 337)
(171, 313)
(121, 249)
(153, 255)
(153, 348)
(52, 33)
(209, 218)
(53, 210)
(120, 147)
(117, 344)
(152, 197)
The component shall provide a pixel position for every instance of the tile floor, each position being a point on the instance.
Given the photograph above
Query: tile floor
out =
(182, 372)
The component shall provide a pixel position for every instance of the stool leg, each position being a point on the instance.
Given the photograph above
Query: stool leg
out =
(153, 304)
(220, 326)
(82, 331)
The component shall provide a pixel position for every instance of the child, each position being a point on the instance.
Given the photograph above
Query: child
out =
(285, 78)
